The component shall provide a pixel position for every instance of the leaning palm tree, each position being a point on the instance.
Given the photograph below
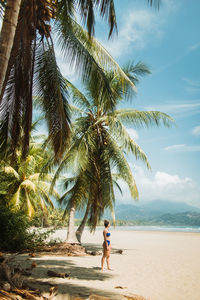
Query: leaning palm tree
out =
(100, 142)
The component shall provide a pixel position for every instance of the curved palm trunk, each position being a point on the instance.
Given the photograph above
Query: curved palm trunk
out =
(71, 236)
(81, 227)
(7, 36)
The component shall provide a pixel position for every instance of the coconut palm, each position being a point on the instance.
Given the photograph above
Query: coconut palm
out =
(100, 143)
(32, 43)
(32, 53)
(23, 187)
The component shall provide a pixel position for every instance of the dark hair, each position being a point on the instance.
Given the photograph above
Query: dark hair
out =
(106, 223)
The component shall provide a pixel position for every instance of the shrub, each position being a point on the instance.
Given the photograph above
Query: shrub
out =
(16, 233)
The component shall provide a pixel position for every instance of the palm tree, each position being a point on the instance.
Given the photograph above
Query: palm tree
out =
(7, 35)
(22, 185)
(100, 143)
(32, 43)
(33, 52)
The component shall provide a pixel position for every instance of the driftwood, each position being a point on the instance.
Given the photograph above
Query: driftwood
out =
(57, 274)
(12, 281)
(118, 251)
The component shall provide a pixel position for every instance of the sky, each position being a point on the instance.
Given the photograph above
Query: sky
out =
(168, 41)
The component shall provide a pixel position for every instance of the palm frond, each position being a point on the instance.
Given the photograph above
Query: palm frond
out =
(122, 137)
(156, 3)
(80, 59)
(107, 11)
(54, 102)
(10, 170)
(28, 185)
(120, 163)
(29, 206)
(78, 97)
(140, 119)
(15, 199)
(102, 56)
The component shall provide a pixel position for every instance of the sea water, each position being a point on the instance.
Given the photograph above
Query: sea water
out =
(156, 228)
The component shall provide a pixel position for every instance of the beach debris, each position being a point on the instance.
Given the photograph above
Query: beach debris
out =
(120, 287)
(53, 290)
(6, 286)
(12, 286)
(5, 295)
(34, 265)
(32, 254)
(94, 253)
(1, 257)
(120, 251)
(64, 249)
(57, 274)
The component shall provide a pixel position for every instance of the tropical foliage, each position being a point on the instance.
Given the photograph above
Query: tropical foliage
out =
(21, 185)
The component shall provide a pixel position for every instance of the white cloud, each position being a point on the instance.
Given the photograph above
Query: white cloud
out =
(179, 110)
(196, 131)
(182, 148)
(163, 186)
(139, 28)
(133, 133)
(175, 107)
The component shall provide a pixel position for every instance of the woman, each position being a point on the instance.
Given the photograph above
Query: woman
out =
(106, 246)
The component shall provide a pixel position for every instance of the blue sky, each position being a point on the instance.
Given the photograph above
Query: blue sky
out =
(168, 41)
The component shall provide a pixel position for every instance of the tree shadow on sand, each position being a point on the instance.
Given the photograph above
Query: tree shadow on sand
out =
(42, 265)
(67, 289)
(97, 248)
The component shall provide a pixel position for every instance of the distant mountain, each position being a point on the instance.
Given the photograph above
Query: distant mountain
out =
(151, 210)
(154, 213)
(179, 219)
(169, 207)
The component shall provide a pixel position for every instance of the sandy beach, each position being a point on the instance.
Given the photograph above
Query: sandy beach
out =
(155, 265)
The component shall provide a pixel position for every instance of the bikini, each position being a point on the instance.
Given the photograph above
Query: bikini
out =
(108, 234)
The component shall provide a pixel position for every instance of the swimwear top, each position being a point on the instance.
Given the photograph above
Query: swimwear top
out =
(108, 234)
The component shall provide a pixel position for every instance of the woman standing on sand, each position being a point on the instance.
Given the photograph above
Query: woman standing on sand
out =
(106, 246)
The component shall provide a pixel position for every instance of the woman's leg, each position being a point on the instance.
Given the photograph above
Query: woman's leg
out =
(108, 260)
(103, 256)
(102, 261)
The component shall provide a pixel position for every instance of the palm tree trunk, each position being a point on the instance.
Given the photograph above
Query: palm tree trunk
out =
(7, 36)
(71, 236)
(80, 229)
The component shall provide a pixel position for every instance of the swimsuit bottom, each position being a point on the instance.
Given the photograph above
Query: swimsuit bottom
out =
(108, 242)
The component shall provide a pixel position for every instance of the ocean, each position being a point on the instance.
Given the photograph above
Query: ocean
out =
(159, 228)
